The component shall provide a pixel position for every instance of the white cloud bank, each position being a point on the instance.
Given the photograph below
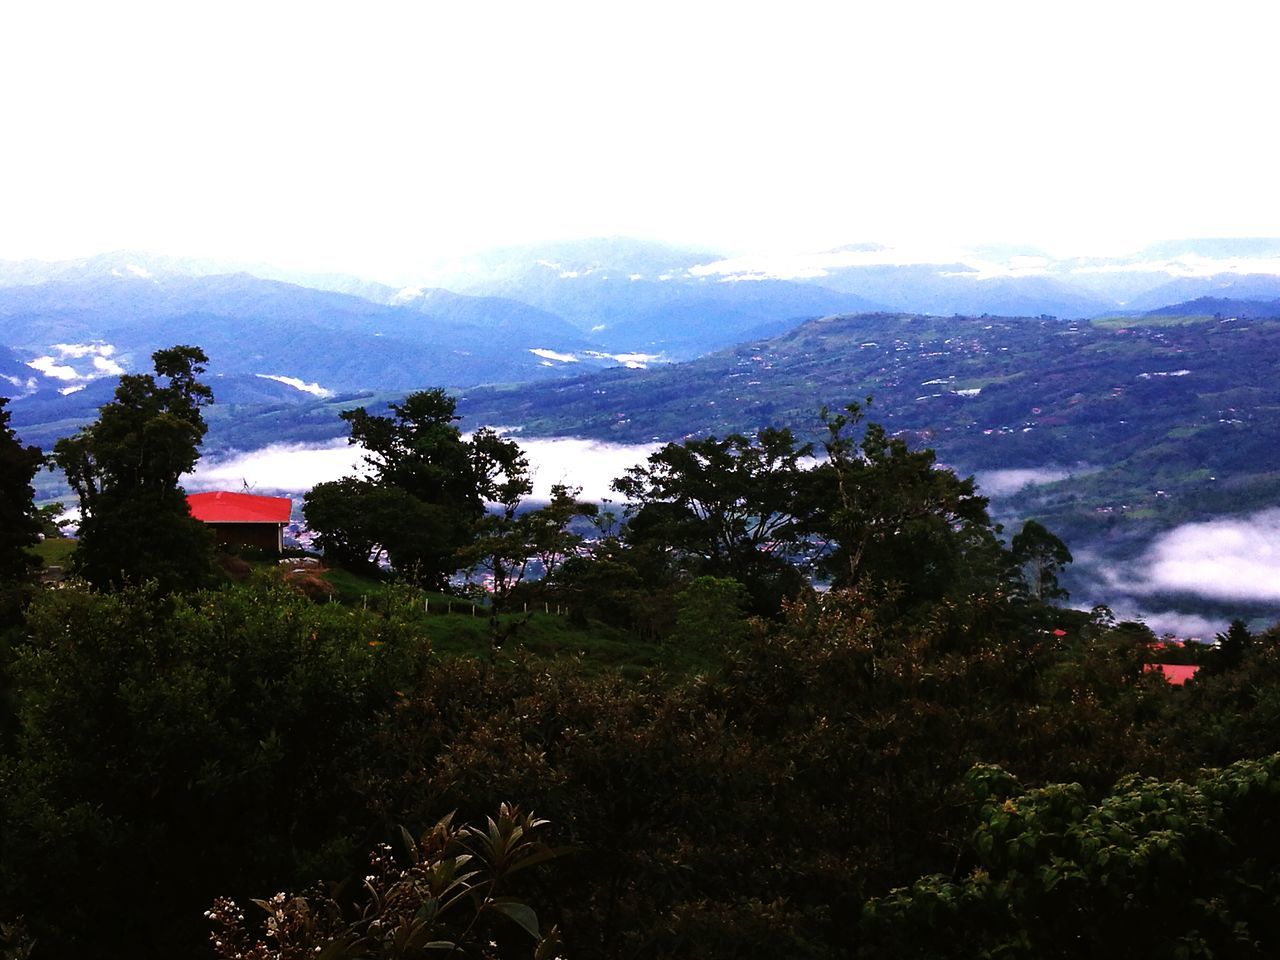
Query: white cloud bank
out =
(294, 468)
(312, 388)
(59, 367)
(1235, 558)
(1001, 483)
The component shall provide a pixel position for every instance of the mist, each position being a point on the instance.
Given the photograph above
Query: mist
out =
(1235, 558)
(296, 468)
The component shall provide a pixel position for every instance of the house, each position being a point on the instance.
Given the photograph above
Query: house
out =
(243, 519)
(1176, 673)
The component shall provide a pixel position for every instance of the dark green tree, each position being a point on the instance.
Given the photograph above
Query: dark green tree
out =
(513, 547)
(125, 468)
(1233, 647)
(425, 492)
(1040, 556)
(19, 521)
(1156, 869)
(890, 513)
(725, 508)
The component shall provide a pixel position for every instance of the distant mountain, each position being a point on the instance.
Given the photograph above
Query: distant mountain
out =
(1229, 286)
(1220, 307)
(632, 296)
(91, 327)
(958, 288)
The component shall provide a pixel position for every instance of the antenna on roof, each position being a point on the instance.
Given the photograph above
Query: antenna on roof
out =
(246, 485)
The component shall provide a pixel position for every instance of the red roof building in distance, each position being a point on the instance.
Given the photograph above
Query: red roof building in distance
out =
(243, 519)
(1176, 673)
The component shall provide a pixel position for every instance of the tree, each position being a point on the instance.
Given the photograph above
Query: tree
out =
(425, 492)
(168, 749)
(881, 509)
(1233, 646)
(726, 508)
(512, 547)
(1040, 556)
(125, 468)
(19, 521)
(711, 612)
(1155, 869)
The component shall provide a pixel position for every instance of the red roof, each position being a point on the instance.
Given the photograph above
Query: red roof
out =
(223, 507)
(1176, 673)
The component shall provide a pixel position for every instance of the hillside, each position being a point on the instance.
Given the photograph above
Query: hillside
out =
(1120, 429)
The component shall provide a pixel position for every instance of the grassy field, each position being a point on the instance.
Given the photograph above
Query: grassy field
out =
(55, 551)
(461, 627)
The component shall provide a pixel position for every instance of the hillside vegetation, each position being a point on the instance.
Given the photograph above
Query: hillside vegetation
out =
(696, 755)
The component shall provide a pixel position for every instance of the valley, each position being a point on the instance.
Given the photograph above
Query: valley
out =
(1125, 425)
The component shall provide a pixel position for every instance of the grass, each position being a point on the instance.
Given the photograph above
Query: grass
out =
(55, 551)
(458, 627)
(1129, 323)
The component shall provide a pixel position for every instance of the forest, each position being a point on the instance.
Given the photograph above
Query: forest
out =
(630, 730)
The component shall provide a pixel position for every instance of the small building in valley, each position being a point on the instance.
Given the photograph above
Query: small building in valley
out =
(1175, 673)
(243, 519)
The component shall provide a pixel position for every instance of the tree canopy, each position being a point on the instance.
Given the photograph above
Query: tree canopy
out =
(19, 522)
(125, 469)
(424, 492)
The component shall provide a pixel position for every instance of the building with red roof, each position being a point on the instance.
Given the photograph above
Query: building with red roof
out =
(1176, 673)
(243, 519)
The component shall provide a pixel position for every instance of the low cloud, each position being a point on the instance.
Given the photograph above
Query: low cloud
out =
(581, 463)
(1232, 559)
(296, 468)
(546, 354)
(1002, 483)
(99, 354)
(51, 368)
(282, 468)
(312, 388)
(1182, 625)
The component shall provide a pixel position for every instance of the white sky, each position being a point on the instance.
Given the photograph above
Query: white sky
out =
(374, 137)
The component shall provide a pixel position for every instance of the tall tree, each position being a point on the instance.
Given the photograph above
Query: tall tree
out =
(889, 512)
(19, 522)
(1040, 556)
(725, 507)
(125, 468)
(425, 492)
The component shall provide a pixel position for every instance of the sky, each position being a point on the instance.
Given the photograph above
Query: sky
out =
(376, 138)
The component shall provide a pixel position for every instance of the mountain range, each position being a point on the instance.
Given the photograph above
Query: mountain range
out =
(1139, 390)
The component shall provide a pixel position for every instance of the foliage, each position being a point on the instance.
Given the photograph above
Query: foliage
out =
(630, 586)
(425, 493)
(134, 521)
(1233, 647)
(890, 513)
(168, 750)
(711, 611)
(1156, 869)
(512, 545)
(726, 507)
(19, 522)
(1040, 556)
(446, 899)
(715, 810)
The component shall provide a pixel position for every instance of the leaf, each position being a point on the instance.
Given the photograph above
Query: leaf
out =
(521, 913)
